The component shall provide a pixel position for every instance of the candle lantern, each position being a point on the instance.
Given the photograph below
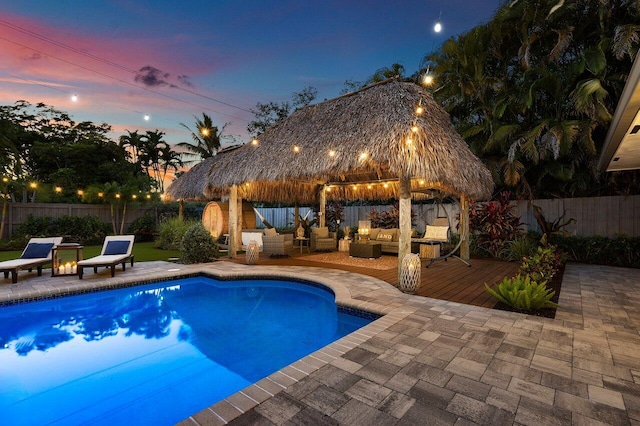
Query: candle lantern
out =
(409, 273)
(253, 252)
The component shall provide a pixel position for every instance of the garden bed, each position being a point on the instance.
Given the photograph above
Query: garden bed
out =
(555, 284)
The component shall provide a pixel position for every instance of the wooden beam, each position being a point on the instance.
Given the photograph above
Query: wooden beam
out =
(404, 241)
(323, 206)
(465, 252)
(233, 222)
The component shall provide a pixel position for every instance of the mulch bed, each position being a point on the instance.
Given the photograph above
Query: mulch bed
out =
(555, 284)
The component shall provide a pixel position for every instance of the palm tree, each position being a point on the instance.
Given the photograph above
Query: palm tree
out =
(533, 90)
(169, 159)
(132, 140)
(149, 154)
(207, 138)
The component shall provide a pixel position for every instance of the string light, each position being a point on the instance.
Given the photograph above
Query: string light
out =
(5, 179)
(33, 185)
(414, 129)
(100, 194)
(147, 117)
(58, 189)
(409, 142)
(419, 108)
(427, 80)
(117, 195)
(438, 26)
(296, 149)
(363, 156)
(74, 98)
(204, 131)
(332, 153)
(134, 196)
(255, 142)
(80, 192)
(148, 196)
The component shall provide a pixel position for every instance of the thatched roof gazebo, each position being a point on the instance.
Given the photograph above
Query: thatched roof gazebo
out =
(384, 141)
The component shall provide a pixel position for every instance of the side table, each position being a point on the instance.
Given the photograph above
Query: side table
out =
(343, 245)
(64, 262)
(304, 242)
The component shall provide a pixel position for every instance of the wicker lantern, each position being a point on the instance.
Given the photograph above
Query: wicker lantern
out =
(253, 252)
(410, 273)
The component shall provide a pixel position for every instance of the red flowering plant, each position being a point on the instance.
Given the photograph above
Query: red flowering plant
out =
(494, 224)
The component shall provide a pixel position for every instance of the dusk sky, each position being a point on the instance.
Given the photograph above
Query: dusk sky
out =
(175, 60)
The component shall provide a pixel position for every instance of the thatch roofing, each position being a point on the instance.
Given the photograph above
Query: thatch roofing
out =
(375, 122)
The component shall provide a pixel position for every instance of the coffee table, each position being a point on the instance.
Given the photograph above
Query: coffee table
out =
(369, 250)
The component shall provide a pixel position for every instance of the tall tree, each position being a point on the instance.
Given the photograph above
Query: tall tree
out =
(533, 90)
(272, 112)
(207, 138)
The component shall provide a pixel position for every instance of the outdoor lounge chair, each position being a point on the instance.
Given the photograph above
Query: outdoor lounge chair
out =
(116, 249)
(36, 254)
(322, 239)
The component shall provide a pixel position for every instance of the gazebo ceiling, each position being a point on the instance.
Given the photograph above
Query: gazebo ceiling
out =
(357, 145)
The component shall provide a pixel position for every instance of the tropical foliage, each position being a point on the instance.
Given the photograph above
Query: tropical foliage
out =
(270, 113)
(494, 225)
(533, 92)
(523, 293)
(198, 245)
(206, 138)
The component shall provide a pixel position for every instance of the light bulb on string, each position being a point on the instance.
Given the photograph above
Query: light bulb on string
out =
(147, 117)
(437, 27)
(74, 98)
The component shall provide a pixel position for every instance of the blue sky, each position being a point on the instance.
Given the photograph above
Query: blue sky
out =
(192, 56)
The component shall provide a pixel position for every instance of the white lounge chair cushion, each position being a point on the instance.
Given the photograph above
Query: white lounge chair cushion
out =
(103, 259)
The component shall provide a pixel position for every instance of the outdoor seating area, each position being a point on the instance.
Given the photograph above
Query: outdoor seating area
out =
(36, 254)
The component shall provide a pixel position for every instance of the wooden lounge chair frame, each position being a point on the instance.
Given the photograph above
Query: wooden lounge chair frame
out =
(109, 261)
(13, 266)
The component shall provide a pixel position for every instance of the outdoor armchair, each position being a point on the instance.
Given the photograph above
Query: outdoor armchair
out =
(36, 254)
(322, 239)
(115, 249)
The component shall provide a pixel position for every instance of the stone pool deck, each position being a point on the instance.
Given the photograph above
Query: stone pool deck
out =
(429, 361)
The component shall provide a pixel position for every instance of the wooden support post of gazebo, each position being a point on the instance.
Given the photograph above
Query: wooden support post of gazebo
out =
(323, 206)
(233, 221)
(404, 242)
(465, 253)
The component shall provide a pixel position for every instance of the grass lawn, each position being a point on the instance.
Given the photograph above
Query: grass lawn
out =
(143, 252)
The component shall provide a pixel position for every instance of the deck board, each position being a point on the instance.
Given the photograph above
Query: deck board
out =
(451, 280)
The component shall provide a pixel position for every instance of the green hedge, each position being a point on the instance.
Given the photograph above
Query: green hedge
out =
(86, 230)
(618, 251)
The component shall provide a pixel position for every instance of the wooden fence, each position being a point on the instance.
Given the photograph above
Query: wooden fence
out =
(17, 213)
(605, 216)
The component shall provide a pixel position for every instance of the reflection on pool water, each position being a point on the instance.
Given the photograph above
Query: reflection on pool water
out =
(157, 353)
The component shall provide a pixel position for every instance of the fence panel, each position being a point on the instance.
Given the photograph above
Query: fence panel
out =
(605, 216)
(18, 213)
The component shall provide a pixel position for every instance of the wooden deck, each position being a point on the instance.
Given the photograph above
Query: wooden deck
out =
(446, 280)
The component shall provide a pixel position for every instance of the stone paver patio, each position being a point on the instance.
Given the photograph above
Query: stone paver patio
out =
(433, 362)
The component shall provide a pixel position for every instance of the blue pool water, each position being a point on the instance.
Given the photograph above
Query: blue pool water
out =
(157, 353)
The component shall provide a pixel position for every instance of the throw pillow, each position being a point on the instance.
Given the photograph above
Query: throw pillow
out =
(116, 247)
(436, 233)
(36, 250)
(270, 232)
(373, 233)
(322, 232)
(385, 235)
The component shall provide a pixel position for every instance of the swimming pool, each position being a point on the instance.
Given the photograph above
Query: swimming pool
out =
(157, 353)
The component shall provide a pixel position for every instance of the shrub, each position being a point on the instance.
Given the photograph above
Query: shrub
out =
(544, 264)
(524, 293)
(388, 219)
(78, 229)
(171, 232)
(520, 248)
(618, 251)
(34, 227)
(144, 228)
(198, 245)
(494, 224)
(81, 229)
